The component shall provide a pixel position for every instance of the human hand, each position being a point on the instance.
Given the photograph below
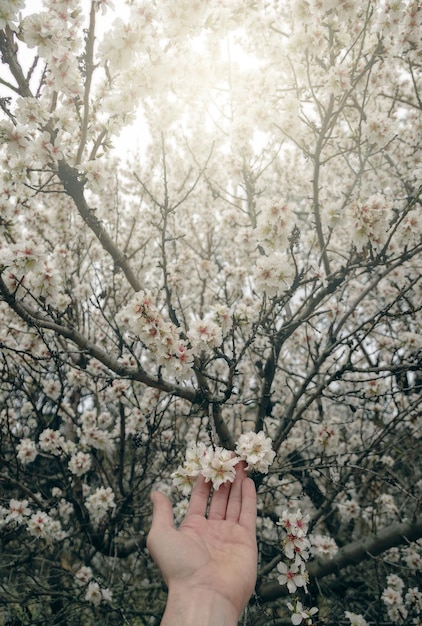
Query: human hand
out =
(209, 563)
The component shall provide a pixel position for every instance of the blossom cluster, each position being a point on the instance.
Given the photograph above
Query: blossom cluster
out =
(29, 270)
(292, 572)
(94, 592)
(217, 464)
(273, 274)
(369, 221)
(402, 606)
(296, 548)
(274, 224)
(161, 337)
(39, 524)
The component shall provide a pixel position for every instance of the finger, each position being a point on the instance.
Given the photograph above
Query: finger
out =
(234, 504)
(247, 517)
(199, 497)
(219, 500)
(162, 518)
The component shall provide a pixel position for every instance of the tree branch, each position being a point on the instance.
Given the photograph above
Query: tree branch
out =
(33, 318)
(353, 554)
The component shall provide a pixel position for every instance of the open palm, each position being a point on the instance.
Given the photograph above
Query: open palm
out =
(215, 551)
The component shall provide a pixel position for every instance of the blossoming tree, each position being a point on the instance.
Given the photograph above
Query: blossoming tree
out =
(244, 283)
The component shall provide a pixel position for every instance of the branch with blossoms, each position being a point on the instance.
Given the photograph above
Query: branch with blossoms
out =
(292, 571)
(38, 320)
(355, 552)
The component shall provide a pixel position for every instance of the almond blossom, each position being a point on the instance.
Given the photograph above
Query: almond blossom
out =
(256, 450)
(218, 466)
(293, 575)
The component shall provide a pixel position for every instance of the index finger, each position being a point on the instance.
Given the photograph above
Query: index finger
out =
(247, 517)
(199, 497)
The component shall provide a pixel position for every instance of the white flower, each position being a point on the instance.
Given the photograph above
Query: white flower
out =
(184, 477)
(204, 334)
(273, 274)
(83, 575)
(295, 524)
(355, 619)
(8, 13)
(107, 595)
(293, 575)
(274, 224)
(38, 524)
(395, 582)
(17, 510)
(51, 441)
(391, 596)
(80, 463)
(93, 593)
(256, 450)
(27, 451)
(412, 558)
(97, 438)
(350, 509)
(322, 545)
(99, 503)
(299, 613)
(218, 466)
(42, 526)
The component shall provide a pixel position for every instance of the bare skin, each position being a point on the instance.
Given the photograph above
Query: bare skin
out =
(209, 563)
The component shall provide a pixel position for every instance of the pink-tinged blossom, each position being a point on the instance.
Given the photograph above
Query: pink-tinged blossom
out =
(22, 258)
(51, 441)
(274, 224)
(42, 526)
(256, 449)
(323, 546)
(369, 221)
(97, 438)
(395, 582)
(18, 510)
(84, 575)
(294, 546)
(27, 451)
(16, 137)
(223, 317)
(295, 524)
(350, 509)
(413, 558)
(273, 274)
(80, 463)
(327, 436)
(293, 575)
(204, 335)
(161, 337)
(413, 598)
(38, 524)
(218, 466)
(30, 111)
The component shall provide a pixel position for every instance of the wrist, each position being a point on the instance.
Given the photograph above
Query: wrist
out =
(198, 607)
